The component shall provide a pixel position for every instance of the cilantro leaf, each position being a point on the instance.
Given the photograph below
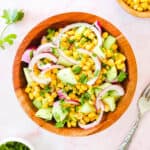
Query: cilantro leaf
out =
(10, 38)
(83, 78)
(76, 69)
(12, 16)
(86, 96)
(122, 76)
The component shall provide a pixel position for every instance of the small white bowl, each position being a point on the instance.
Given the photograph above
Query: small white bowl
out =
(20, 140)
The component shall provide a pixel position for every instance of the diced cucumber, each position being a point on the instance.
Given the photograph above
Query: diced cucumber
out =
(86, 108)
(27, 75)
(98, 89)
(111, 74)
(44, 113)
(37, 104)
(58, 113)
(114, 94)
(110, 40)
(110, 101)
(66, 76)
(63, 62)
(98, 51)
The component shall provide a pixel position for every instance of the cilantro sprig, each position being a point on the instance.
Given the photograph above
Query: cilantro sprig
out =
(10, 17)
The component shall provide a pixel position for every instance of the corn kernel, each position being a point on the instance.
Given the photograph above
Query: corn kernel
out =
(105, 35)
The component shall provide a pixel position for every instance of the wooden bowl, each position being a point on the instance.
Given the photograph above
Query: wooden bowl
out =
(33, 37)
(133, 12)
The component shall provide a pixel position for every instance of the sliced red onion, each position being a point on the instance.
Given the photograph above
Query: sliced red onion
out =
(64, 96)
(97, 65)
(75, 25)
(96, 122)
(117, 88)
(98, 26)
(50, 67)
(70, 60)
(45, 48)
(35, 59)
(26, 55)
(72, 102)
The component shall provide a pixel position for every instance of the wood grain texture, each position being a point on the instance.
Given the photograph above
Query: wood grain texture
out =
(133, 12)
(33, 37)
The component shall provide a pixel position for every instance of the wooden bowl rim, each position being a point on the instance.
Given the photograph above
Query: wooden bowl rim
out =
(77, 131)
(133, 12)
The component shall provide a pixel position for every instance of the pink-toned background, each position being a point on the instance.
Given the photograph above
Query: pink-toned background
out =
(14, 122)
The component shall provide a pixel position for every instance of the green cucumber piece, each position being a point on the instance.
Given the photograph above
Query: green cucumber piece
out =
(63, 62)
(99, 52)
(110, 101)
(44, 113)
(66, 76)
(111, 74)
(58, 113)
(98, 89)
(86, 108)
(110, 40)
(37, 104)
(27, 75)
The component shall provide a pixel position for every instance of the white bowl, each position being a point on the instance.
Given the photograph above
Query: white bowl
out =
(20, 140)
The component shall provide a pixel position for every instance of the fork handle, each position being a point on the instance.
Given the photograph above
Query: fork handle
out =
(126, 142)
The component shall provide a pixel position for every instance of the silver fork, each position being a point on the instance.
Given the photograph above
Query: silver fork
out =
(143, 107)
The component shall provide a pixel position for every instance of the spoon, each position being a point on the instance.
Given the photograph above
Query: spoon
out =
(143, 107)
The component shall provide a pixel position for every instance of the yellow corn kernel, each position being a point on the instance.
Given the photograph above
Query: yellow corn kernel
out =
(110, 62)
(42, 85)
(68, 124)
(105, 35)
(73, 123)
(121, 66)
(82, 122)
(71, 32)
(77, 77)
(60, 29)
(87, 32)
(45, 105)
(109, 53)
(31, 96)
(86, 119)
(68, 52)
(39, 98)
(94, 41)
(91, 36)
(53, 83)
(114, 47)
(28, 89)
(54, 94)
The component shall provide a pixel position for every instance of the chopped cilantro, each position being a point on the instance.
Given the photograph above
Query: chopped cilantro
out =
(122, 76)
(76, 69)
(83, 78)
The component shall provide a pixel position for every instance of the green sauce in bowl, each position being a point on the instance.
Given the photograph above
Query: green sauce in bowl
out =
(13, 145)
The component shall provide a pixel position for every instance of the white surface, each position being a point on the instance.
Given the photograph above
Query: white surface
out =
(13, 120)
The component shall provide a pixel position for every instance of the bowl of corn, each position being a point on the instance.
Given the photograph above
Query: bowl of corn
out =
(138, 8)
(74, 74)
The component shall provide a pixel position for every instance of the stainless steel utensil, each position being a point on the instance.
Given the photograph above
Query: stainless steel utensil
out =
(143, 107)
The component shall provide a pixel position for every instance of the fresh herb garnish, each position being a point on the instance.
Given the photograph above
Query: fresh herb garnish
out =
(13, 145)
(94, 55)
(11, 17)
(86, 96)
(83, 78)
(122, 76)
(50, 34)
(76, 69)
(54, 51)
(46, 89)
